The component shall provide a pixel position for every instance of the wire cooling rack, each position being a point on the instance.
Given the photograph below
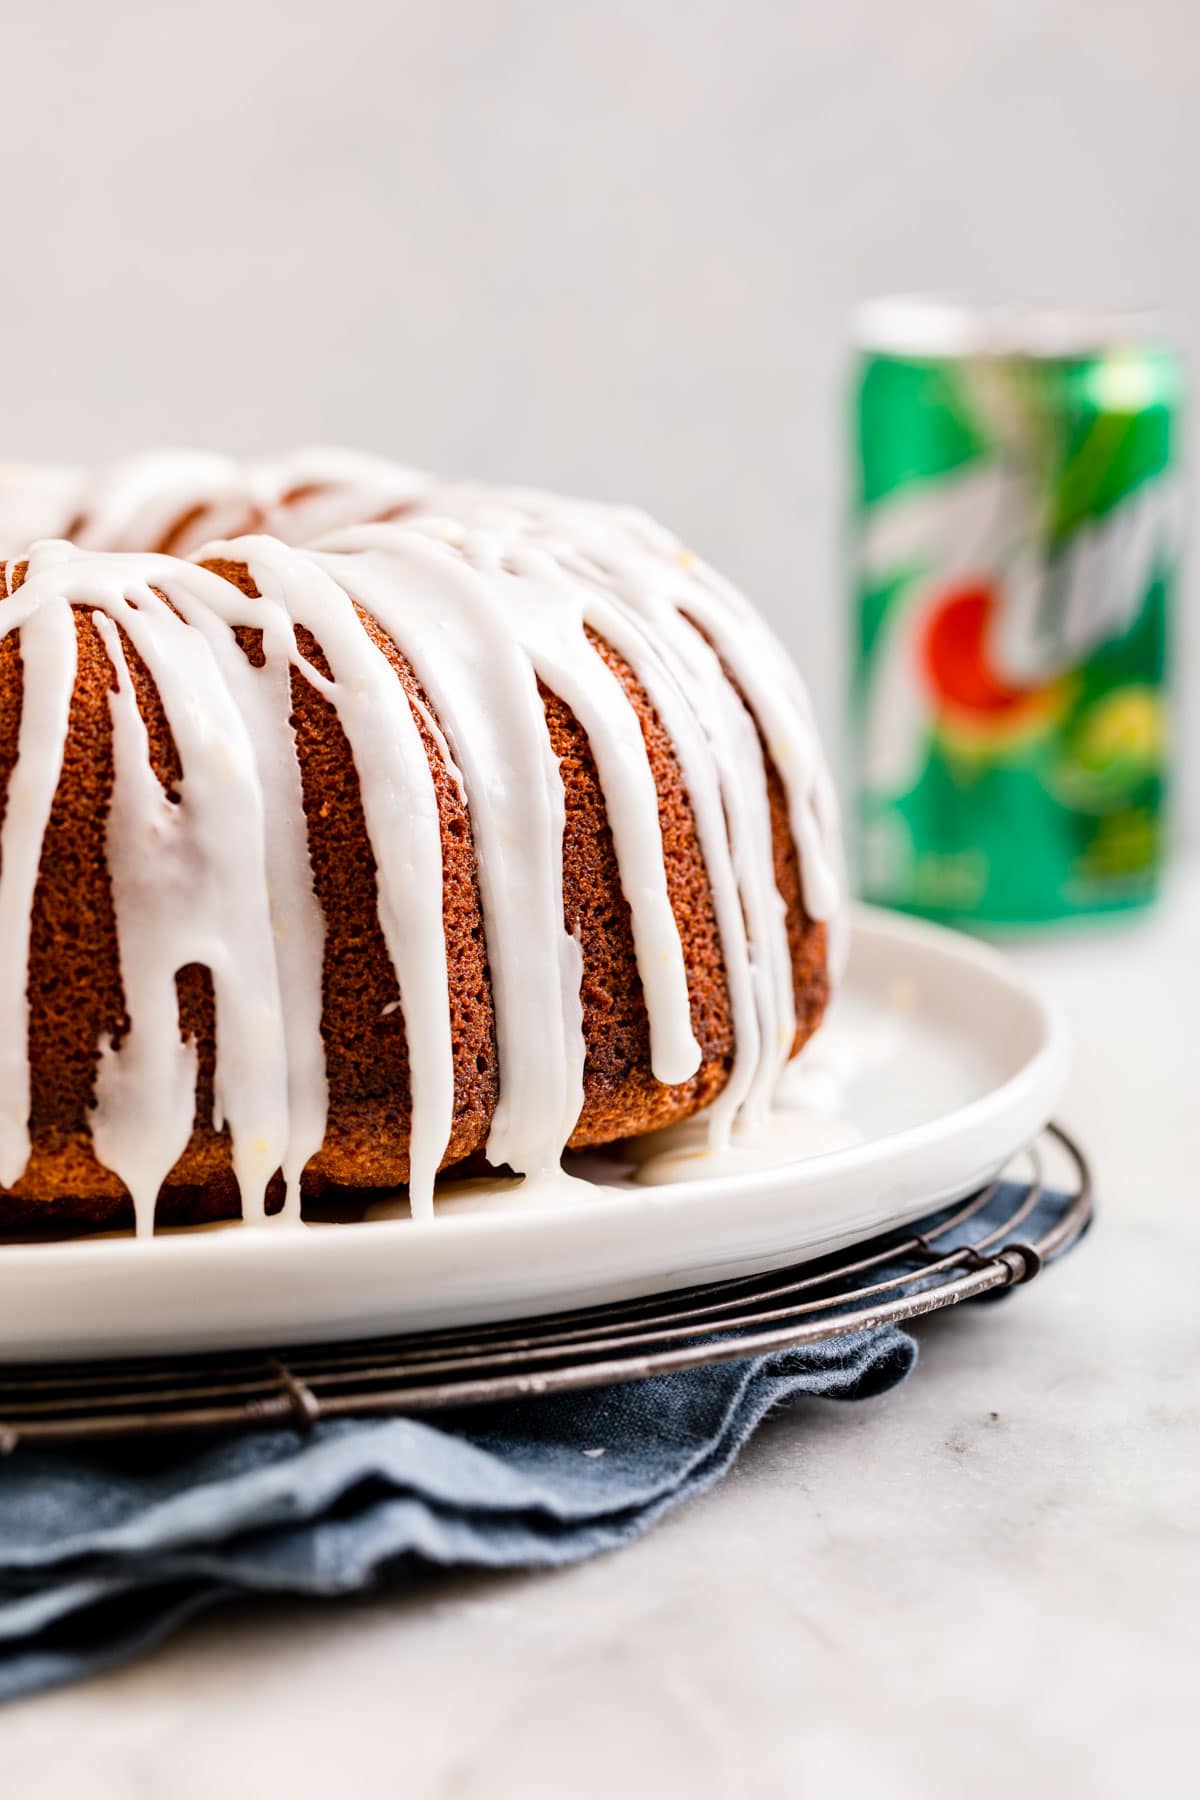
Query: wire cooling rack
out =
(978, 1247)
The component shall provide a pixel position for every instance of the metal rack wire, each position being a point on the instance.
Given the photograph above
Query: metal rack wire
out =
(964, 1253)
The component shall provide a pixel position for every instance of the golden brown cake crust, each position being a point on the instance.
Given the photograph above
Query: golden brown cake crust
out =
(75, 990)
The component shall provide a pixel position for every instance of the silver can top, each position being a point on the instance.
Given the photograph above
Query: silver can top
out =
(932, 325)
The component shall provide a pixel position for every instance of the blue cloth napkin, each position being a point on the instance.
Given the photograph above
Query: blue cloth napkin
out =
(103, 1552)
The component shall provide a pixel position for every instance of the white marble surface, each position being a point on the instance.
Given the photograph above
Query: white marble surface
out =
(984, 1583)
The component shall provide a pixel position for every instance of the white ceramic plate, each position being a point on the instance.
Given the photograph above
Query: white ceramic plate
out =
(937, 1058)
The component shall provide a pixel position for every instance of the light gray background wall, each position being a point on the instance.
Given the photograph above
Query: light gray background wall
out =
(602, 244)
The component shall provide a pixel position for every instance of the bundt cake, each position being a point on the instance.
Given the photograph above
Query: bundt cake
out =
(355, 825)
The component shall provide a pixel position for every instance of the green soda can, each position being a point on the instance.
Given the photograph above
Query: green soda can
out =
(1017, 523)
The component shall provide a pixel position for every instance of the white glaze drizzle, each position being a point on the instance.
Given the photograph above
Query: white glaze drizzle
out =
(484, 592)
(189, 878)
(396, 784)
(264, 698)
(511, 602)
(695, 624)
(313, 492)
(451, 624)
(142, 501)
(649, 566)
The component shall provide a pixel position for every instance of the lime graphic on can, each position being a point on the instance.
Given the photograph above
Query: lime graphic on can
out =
(1016, 536)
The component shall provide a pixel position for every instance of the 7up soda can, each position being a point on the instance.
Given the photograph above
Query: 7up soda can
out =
(1016, 534)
